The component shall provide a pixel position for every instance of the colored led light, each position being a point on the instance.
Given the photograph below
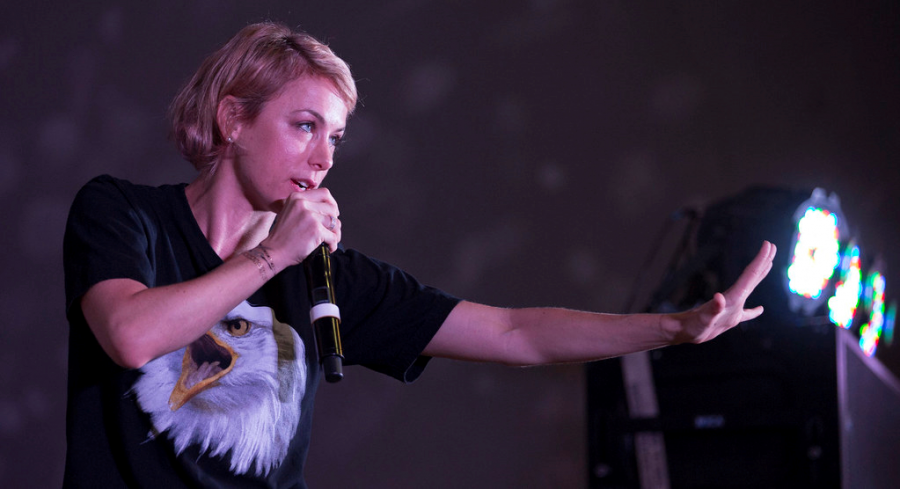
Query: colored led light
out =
(842, 305)
(816, 253)
(890, 319)
(870, 333)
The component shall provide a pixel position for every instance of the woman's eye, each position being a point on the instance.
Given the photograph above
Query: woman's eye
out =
(305, 126)
(238, 327)
(336, 140)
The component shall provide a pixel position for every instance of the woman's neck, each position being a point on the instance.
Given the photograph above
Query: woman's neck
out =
(227, 219)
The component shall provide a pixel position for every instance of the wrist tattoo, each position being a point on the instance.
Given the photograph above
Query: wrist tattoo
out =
(260, 256)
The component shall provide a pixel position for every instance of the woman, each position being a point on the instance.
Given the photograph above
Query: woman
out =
(190, 346)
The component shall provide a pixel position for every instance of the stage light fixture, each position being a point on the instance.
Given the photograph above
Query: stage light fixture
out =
(870, 332)
(815, 251)
(843, 304)
(811, 357)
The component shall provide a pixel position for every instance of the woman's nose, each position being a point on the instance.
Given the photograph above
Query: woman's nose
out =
(322, 157)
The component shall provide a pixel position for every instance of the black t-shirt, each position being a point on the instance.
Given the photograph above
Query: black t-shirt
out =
(234, 408)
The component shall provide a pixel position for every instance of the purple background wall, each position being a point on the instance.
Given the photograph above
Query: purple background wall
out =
(514, 153)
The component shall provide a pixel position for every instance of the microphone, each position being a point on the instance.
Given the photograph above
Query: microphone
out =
(324, 314)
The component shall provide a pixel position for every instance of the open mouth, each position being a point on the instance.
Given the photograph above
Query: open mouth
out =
(302, 185)
(205, 361)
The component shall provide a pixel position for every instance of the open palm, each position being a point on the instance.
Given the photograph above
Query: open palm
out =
(726, 310)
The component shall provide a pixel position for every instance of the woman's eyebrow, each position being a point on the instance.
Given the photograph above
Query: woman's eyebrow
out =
(317, 116)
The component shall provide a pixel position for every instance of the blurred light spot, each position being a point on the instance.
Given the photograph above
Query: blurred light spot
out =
(552, 177)
(125, 125)
(542, 20)
(10, 165)
(43, 224)
(36, 402)
(395, 151)
(81, 79)
(359, 137)
(848, 289)
(111, 25)
(57, 141)
(636, 181)
(9, 48)
(428, 85)
(511, 116)
(8, 358)
(675, 99)
(11, 419)
(472, 259)
(816, 254)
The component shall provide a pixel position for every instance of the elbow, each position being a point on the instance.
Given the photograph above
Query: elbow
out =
(114, 315)
(121, 346)
(127, 359)
(126, 354)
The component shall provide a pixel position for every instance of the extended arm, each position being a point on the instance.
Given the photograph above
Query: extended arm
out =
(546, 335)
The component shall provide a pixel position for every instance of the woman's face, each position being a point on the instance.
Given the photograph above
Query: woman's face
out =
(290, 146)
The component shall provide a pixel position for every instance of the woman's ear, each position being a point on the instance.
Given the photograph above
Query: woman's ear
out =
(227, 118)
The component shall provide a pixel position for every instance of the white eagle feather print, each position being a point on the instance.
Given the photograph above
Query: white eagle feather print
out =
(237, 389)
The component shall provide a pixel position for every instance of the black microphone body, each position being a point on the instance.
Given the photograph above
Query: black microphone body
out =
(324, 313)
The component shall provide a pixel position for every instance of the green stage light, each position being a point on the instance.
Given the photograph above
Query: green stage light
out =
(843, 304)
(870, 332)
(890, 319)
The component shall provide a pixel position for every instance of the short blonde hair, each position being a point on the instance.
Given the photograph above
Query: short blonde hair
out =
(251, 67)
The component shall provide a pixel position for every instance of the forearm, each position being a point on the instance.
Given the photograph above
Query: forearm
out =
(550, 335)
(538, 336)
(135, 324)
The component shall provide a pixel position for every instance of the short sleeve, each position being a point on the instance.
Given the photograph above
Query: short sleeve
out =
(105, 238)
(388, 317)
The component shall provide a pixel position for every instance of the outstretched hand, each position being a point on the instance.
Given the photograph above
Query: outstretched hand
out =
(726, 310)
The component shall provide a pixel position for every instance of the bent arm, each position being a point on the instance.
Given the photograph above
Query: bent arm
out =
(537, 336)
(135, 324)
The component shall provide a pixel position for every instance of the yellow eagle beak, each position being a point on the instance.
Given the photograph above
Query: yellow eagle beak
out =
(205, 362)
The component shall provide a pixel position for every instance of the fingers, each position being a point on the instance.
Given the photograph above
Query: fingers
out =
(725, 311)
(333, 226)
(306, 220)
(319, 200)
(755, 272)
(752, 313)
(715, 306)
(325, 204)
